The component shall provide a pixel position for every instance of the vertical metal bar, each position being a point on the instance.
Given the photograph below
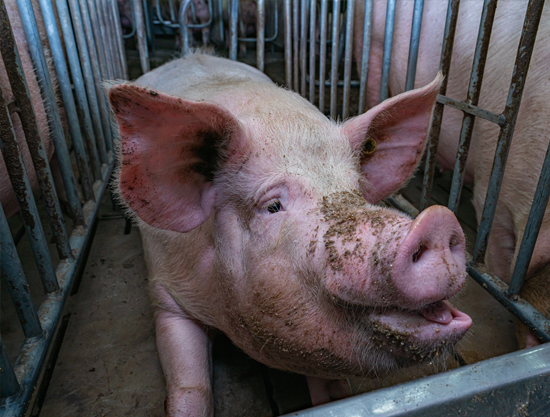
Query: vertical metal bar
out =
(68, 98)
(295, 40)
(110, 28)
(476, 79)
(233, 22)
(312, 48)
(348, 57)
(9, 385)
(96, 5)
(532, 228)
(81, 99)
(260, 35)
(12, 271)
(88, 77)
(118, 36)
(334, 57)
(303, 47)
(365, 55)
(288, 44)
(183, 22)
(433, 136)
(415, 42)
(37, 54)
(220, 18)
(22, 188)
(172, 12)
(16, 76)
(105, 65)
(386, 60)
(323, 55)
(521, 67)
(96, 72)
(141, 36)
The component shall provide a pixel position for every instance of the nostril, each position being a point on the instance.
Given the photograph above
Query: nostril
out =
(416, 256)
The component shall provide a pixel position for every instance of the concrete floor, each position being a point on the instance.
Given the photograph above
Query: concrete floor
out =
(108, 363)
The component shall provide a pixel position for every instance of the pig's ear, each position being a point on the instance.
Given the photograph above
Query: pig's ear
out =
(390, 139)
(170, 149)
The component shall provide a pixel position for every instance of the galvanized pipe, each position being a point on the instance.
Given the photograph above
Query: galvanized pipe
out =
(476, 79)
(21, 95)
(68, 98)
(233, 22)
(348, 57)
(102, 26)
(117, 26)
(111, 33)
(323, 55)
(183, 23)
(365, 55)
(303, 46)
(414, 44)
(50, 103)
(312, 52)
(21, 186)
(141, 37)
(220, 18)
(13, 273)
(78, 82)
(532, 228)
(99, 35)
(260, 34)
(10, 385)
(88, 76)
(288, 43)
(386, 58)
(437, 117)
(334, 57)
(295, 37)
(521, 67)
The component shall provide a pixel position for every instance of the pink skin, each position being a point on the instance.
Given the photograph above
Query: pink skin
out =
(532, 131)
(7, 197)
(258, 221)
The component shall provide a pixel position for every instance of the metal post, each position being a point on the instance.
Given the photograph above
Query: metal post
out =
(260, 34)
(233, 22)
(334, 57)
(386, 60)
(414, 44)
(312, 49)
(141, 37)
(303, 45)
(348, 57)
(323, 55)
(288, 43)
(365, 55)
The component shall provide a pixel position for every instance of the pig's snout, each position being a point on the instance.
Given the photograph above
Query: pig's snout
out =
(430, 264)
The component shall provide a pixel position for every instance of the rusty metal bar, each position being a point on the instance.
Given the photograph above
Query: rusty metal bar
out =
(348, 57)
(521, 67)
(312, 48)
(476, 79)
(433, 135)
(334, 57)
(468, 108)
(288, 43)
(323, 55)
(20, 91)
(414, 44)
(68, 98)
(386, 58)
(260, 34)
(50, 103)
(365, 55)
(303, 46)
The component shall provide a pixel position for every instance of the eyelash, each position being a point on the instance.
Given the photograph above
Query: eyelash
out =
(274, 207)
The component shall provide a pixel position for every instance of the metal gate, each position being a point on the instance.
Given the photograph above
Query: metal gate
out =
(92, 42)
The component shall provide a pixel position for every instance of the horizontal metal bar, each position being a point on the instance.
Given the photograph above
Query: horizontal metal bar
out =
(33, 352)
(531, 317)
(536, 215)
(498, 119)
(509, 385)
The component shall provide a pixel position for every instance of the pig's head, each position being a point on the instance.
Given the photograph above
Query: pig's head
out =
(311, 276)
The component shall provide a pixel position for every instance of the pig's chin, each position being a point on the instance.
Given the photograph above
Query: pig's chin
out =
(418, 335)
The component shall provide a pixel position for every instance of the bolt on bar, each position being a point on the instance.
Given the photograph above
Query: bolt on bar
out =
(437, 117)
(312, 45)
(141, 36)
(334, 57)
(233, 22)
(20, 182)
(288, 44)
(323, 55)
(348, 57)
(303, 47)
(12, 271)
(68, 98)
(260, 31)
(521, 67)
(386, 59)
(78, 82)
(414, 44)
(365, 55)
(476, 79)
(37, 54)
(532, 228)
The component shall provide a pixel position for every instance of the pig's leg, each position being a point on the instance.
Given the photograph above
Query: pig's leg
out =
(185, 354)
(205, 36)
(323, 391)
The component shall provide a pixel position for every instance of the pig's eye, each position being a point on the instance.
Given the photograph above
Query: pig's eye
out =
(274, 207)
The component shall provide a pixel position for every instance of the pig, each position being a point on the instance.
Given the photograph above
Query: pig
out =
(125, 15)
(257, 218)
(532, 131)
(7, 196)
(201, 16)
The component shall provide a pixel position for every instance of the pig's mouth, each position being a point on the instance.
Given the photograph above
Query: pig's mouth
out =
(419, 333)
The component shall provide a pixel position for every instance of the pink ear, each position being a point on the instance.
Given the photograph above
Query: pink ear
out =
(170, 149)
(396, 130)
